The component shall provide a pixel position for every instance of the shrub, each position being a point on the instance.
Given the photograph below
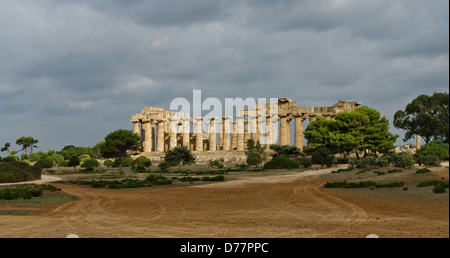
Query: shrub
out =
(305, 163)
(422, 171)
(215, 163)
(323, 157)
(142, 161)
(439, 188)
(281, 162)
(254, 159)
(404, 161)
(164, 166)
(90, 164)
(11, 172)
(109, 163)
(44, 163)
(430, 153)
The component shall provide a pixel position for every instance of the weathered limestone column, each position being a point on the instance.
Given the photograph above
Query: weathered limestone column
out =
(246, 133)
(298, 141)
(234, 136)
(153, 133)
(186, 131)
(135, 126)
(173, 134)
(254, 122)
(147, 142)
(418, 143)
(160, 137)
(283, 127)
(226, 133)
(220, 125)
(240, 133)
(269, 131)
(198, 133)
(212, 135)
(288, 131)
(260, 127)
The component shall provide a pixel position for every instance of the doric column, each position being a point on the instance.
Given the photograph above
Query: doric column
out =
(283, 130)
(173, 133)
(220, 125)
(246, 133)
(226, 133)
(186, 131)
(299, 132)
(135, 126)
(240, 133)
(198, 121)
(234, 136)
(288, 130)
(147, 141)
(418, 143)
(260, 127)
(254, 122)
(212, 135)
(160, 137)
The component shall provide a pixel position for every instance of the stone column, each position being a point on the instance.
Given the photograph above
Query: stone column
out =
(152, 132)
(268, 131)
(299, 132)
(135, 126)
(212, 135)
(246, 133)
(147, 141)
(234, 136)
(226, 133)
(186, 131)
(254, 122)
(198, 121)
(220, 125)
(160, 138)
(283, 130)
(260, 127)
(240, 133)
(173, 133)
(418, 143)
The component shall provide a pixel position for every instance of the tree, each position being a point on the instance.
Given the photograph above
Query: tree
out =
(255, 153)
(287, 150)
(179, 156)
(74, 161)
(427, 116)
(27, 143)
(361, 129)
(6, 147)
(119, 142)
(323, 157)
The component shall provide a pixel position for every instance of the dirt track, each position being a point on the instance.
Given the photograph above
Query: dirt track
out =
(292, 206)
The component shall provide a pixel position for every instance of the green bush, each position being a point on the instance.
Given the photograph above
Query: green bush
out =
(216, 164)
(323, 157)
(404, 161)
(44, 163)
(305, 163)
(422, 171)
(430, 153)
(439, 188)
(109, 163)
(90, 164)
(362, 184)
(142, 161)
(281, 162)
(164, 166)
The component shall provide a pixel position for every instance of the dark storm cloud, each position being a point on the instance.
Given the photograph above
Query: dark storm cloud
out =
(76, 70)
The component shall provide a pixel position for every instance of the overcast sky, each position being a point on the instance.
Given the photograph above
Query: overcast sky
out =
(73, 71)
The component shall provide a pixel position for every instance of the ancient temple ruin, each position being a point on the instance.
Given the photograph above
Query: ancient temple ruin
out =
(161, 130)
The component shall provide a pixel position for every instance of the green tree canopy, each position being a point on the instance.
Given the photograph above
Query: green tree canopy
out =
(119, 142)
(361, 129)
(27, 143)
(179, 156)
(427, 116)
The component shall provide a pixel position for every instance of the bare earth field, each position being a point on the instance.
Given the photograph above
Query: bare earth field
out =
(276, 204)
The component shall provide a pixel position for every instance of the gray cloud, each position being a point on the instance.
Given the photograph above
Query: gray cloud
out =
(72, 71)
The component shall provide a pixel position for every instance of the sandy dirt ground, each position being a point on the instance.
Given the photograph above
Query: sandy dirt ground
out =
(290, 205)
